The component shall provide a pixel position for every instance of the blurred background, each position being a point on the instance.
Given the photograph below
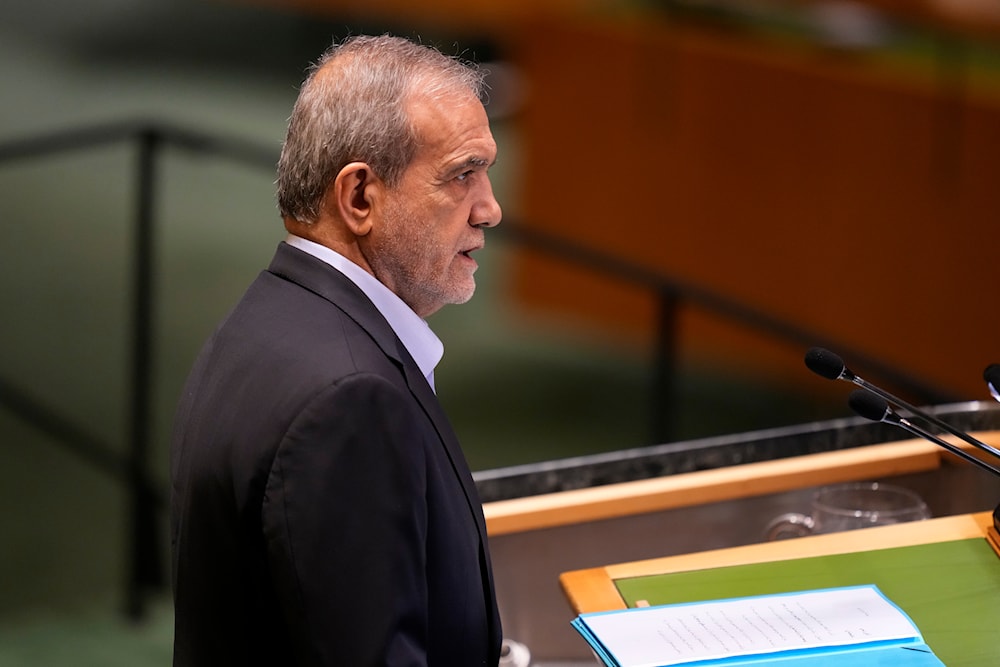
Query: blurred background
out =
(695, 192)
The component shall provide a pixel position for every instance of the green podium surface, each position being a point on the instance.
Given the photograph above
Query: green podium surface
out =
(951, 590)
(944, 574)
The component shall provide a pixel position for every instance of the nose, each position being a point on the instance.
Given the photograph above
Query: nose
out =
(486, 212)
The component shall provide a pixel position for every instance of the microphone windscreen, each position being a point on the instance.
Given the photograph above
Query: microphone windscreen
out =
(825, 363)
(868, 405)
(992, 377)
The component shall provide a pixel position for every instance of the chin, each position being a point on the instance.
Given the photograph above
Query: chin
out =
(464, 296)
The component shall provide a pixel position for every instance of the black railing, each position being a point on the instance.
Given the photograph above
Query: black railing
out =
(672, 294)
(146, 497)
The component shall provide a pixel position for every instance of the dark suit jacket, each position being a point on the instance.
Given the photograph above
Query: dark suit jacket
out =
(322, 512)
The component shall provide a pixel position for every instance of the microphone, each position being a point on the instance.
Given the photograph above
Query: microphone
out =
(825, 363)
(874, 407)
(992, 377)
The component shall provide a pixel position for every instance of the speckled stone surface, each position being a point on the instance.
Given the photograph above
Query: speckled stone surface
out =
(716, 452)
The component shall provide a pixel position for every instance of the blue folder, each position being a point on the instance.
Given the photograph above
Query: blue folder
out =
(907, 652)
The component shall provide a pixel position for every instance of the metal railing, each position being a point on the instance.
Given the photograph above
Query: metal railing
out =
(146, 497)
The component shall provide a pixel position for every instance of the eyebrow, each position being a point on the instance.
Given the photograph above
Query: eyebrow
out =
(478, 162)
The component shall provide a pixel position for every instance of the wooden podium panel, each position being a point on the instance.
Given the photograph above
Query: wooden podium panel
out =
(595, 590)
(534, 539)
(942, 572)
(721, 484)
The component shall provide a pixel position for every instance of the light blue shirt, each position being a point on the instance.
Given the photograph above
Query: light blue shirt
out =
(422, 343)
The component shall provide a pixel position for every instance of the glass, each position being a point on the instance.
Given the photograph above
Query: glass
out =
(849, 507)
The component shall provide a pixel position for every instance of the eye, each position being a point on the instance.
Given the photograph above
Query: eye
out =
(464, 176)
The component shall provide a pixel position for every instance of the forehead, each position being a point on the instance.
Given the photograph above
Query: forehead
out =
(453, 126)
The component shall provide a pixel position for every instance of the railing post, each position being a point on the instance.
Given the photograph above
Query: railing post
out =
(144, 566)
(664, 366)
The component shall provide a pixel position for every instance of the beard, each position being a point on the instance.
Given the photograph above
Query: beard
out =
(411, 257)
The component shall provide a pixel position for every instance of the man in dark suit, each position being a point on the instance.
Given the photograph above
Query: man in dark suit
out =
(322, 512)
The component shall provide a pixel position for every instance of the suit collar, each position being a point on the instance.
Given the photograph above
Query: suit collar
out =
(420, 341)
(323, 280)
(320, 278)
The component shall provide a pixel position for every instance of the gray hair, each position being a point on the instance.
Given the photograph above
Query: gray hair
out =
(352, 108)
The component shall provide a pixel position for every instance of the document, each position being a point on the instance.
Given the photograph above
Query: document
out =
(809, 626)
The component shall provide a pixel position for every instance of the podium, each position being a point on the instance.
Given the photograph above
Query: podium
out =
(944, 573)
(693, 498)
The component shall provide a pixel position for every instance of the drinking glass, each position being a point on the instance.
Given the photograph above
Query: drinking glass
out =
(849, 507)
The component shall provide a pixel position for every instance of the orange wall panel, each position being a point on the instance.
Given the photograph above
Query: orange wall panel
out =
(804, 185)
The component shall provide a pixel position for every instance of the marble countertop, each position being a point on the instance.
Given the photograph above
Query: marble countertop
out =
(715, 452)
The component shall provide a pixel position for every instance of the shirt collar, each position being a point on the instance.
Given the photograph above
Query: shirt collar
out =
(418, 338)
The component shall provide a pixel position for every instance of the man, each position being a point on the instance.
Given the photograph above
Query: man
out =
(322, 512)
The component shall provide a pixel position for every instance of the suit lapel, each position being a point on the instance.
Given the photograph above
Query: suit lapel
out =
(428, 400)
(318, 277)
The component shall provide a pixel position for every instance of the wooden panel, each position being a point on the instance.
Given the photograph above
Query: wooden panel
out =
(752, 479)
(824, 191)
(899, 535)
(591, 590)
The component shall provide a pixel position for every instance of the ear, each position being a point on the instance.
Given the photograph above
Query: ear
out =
(352, 195)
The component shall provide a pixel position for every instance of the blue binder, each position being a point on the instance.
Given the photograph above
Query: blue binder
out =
(902, 651)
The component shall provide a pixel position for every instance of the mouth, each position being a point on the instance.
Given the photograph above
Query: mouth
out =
(475, 243)
(467, 253)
